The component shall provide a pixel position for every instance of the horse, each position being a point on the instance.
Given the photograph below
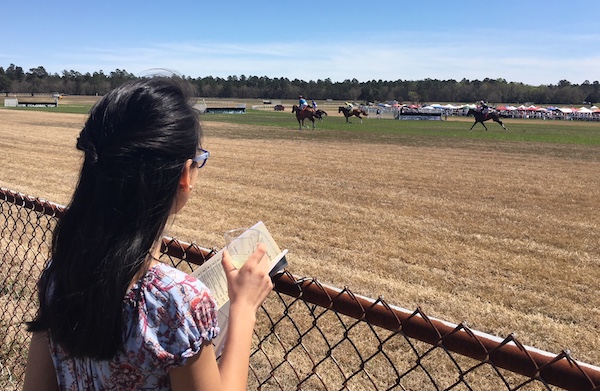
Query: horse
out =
(301, 115)
(354, 112)
(319, 114)
(481, 117)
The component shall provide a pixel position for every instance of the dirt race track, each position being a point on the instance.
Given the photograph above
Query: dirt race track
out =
(506, 241)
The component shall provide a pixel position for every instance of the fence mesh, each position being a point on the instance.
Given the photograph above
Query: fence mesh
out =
(308, 336)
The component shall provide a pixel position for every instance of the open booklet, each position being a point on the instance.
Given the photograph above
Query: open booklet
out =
(211, 273)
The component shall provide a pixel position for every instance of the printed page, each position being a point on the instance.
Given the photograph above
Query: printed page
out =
(272, 247)
(211, 273)
(223, 321)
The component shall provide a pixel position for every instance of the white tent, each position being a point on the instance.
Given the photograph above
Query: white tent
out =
(450, 106)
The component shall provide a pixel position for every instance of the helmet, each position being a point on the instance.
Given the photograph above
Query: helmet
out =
(300, 96)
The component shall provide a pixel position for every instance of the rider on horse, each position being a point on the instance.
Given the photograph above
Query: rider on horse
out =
(302, 103)
(483, 107)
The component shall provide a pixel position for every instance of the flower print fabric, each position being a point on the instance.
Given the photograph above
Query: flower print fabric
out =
(168, 315)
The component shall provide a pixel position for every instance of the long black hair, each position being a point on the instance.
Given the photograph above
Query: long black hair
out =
(136, 142)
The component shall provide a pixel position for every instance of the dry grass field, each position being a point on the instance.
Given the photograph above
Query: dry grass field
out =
(505, 239)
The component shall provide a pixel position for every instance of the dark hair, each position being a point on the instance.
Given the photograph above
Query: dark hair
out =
(136, 141)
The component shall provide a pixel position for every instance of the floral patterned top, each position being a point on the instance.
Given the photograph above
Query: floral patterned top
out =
(168, 316)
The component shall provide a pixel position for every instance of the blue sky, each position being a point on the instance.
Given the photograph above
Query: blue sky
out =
(534, 42)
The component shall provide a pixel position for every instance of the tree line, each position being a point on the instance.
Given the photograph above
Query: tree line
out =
(37, 80)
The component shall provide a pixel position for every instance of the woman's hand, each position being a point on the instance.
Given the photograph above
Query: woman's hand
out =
(250, 285)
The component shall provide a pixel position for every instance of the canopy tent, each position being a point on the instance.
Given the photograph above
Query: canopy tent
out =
(565, 110)
(506, 108)
(527, 108)
(450, 107)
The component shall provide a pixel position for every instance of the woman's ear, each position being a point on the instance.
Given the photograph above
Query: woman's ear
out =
(185, 179)
(184, 188)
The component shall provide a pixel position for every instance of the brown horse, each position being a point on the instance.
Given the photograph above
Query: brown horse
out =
(301, 115)
(354, 112)
(480, 117)
(319, 114)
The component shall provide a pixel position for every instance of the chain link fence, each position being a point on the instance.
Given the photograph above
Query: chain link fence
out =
(308, 336)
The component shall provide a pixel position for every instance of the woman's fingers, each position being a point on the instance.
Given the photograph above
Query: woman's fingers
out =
(226, 262)
(250, 284)
(258, 255)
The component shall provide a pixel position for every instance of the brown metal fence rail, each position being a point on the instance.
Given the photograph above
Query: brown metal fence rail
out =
(308, 336)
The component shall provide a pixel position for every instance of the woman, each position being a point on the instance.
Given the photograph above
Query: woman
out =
(111, 316)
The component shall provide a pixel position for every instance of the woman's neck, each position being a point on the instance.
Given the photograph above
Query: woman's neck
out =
(151, 261)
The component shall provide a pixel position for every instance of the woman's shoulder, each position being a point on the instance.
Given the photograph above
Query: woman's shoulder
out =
(166, 295)
(166, 283)
(172, 312)
(170, 274)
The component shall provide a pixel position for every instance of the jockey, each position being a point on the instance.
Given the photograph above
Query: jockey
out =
(483, 107)
(302, 103)
(349, 106)
(314, 105)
